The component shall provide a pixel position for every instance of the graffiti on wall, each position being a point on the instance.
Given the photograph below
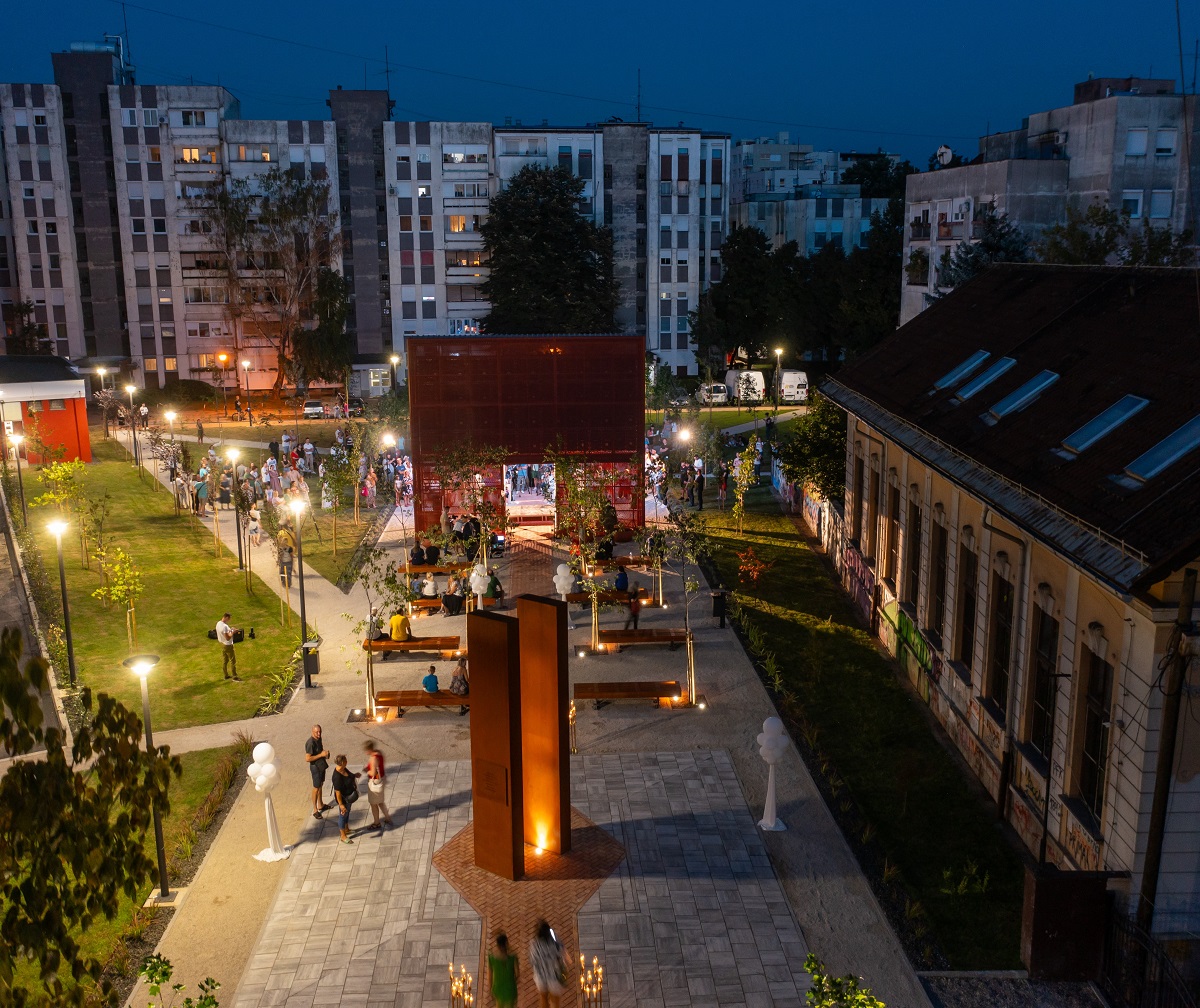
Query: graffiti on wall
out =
(860, 579)
(1082, 846)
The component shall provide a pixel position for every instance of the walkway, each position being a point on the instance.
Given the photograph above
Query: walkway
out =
(234, 922)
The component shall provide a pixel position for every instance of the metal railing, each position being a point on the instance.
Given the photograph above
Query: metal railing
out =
(1137, 972)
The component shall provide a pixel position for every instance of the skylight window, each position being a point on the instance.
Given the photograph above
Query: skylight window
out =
(952, 378)
(1105, 423)
(985, 379)
(1022, 397)
(1168, 451)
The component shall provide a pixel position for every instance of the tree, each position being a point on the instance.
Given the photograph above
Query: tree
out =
(826, 991)
(384, 590)
(461, 469)
(122, 584)
(815, 454)
(744, 477)
(25, 336)
(72, 829)
(879, 176)
(662, 388)
(996, 240)
(551, 269)
(1101, 235)
(63, 485)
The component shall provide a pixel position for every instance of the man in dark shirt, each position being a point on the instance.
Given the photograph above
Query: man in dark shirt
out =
(317, 758)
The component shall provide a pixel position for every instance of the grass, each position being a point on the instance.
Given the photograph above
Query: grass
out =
(877, 739)
(186, 588)
(187, 794)
(725, 416)
(318, 540)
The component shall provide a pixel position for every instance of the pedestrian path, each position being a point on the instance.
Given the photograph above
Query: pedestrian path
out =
(234, 922)
(752, 425)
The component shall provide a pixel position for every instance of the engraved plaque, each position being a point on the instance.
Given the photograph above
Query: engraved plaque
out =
(491, 781)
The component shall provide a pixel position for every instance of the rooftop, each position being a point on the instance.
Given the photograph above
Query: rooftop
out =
(1066, 397)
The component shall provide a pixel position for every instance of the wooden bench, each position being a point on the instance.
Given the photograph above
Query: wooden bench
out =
(444, 569)
(583, 598)
(448, 646)
(616, 639)
(606, 692)
(400, 699)
(622, 561)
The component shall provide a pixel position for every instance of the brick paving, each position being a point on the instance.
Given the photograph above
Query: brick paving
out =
(693, 913)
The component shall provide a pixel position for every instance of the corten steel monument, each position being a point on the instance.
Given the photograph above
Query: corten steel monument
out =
(519, 738)
(585, 394)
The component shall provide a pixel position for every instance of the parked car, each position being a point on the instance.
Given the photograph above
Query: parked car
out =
(314, 409)
(356, 407)
(745, 386)
(717, 395)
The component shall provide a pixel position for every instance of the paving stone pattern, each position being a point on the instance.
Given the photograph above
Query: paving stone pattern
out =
(692, 915)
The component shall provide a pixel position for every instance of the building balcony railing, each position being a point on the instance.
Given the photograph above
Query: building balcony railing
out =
(951, 230)
(919, 230)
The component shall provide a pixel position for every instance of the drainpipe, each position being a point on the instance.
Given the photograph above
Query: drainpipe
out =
(1006, 759)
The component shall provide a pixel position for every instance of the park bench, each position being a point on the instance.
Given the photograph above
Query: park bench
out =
(448, 646)
(622, 561)
(616, 639)
(606, 692)
(401, 699)
(583, 598)
(444, 569)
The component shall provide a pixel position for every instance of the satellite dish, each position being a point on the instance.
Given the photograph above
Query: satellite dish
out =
(944, 155)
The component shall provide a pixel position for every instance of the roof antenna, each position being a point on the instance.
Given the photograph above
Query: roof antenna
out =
(387, 72)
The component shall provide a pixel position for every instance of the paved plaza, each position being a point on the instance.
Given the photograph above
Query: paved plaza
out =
(692, 913)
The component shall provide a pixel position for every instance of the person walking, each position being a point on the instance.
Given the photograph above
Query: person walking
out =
(200, 431)
(502, 968)
(144, 413)
(700, 489)
(345, 789)
(317, 758)
(635, 606)
(549, 966)
(228, 656)
(376, 785)
(273, 448)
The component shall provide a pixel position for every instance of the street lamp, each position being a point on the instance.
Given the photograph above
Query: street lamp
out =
(297, 509)
(133, 424)
(170, 417)
(395, 359)
(237, 505)
(223, 358)
(141, 666)
(249, 411)
(778, 377)
(102, 372)
(57, 528)
(16, 439)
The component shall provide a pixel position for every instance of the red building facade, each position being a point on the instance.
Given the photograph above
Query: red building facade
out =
(48, 394)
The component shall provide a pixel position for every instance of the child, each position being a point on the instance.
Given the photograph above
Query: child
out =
(503, 968)
(255, 529)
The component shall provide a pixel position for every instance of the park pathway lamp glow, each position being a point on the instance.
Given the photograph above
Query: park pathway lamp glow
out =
(223, 358)
(133, 426)
(297, 509)
(141, 666)
(395, 359)
(249, 411)
(778, 377)
(16, 440)
(57, 528)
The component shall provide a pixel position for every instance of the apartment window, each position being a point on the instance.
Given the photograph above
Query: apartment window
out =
(464, 292)
(150, 364)
(1096, 719)
(564, 157)
(428, 306)
(170, 364)
(423, 156)
(51, 227)
(1160, 204)
(31, 226)
(912, 587)
(426, 223)
(892, 554)
(1000, 644)
(138, 225)
(1164, 142)
(160, 225)
(423, 191)
(1043, 685)
(189, 155)
(193, 117)
(463, 223)
(465, 257)
(154, 154)
(405, 223)
(1131, 203)
(585, 164)
(464, 327)
(1135, 143)
(129, 117)
(968, 604)
(150, 117)
(938, 558)
(55, 260)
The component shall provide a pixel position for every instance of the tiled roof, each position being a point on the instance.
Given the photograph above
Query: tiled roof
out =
(36, 368)
(1106, 332)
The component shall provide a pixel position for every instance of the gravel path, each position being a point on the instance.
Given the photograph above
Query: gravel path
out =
(1003, 992)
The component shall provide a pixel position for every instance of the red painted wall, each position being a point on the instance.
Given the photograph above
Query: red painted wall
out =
(67, 427)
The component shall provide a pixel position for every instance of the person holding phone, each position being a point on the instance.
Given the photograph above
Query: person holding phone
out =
(549, 966)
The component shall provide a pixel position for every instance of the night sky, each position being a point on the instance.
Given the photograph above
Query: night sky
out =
(902, 76)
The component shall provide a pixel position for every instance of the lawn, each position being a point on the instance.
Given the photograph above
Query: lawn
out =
(878, 740)
(186, 588)
(724, 416)
(318, 540)
(218, 429)
(187, 795)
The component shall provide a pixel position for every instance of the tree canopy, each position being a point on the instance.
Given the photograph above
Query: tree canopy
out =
(879, 176)
(995, 240)
(551, 269)
(1101, 235)
(815, 453)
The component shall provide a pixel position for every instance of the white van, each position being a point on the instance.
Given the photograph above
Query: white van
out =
(745, 386)
(793, 387)
(716, 395)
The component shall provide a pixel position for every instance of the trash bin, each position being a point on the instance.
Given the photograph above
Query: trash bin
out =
(312, 661)
(719, 598)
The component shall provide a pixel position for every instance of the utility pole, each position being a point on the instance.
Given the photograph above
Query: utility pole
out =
(1166, 755)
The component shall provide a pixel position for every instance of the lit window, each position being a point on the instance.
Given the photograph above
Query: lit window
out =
(1168, 451)
(985, 379)
(1022, 397)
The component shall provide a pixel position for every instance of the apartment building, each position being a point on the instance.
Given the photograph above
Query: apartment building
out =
(1021, 502)
(1122, 141)
(98, 228)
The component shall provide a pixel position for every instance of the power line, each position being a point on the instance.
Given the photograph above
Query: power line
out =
(538, 90)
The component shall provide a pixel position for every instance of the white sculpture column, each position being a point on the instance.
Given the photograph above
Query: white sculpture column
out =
(265, 775)
(771, 743)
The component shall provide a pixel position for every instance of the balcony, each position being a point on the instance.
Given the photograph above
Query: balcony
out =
(919, 230)
(951, 230)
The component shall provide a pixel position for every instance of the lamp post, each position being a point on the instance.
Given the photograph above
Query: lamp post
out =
(133, 425)
(57, 528)
(778, 377)
(395, 359)
(249, 411)
(297, 509)
(170, 418)
(102, 372)
(141, 666)
(16, 440)
(237, 505)
(224, 358)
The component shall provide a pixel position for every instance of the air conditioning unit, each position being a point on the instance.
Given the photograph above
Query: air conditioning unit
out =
(162, 120)
(391, 190)
(1060, 137)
